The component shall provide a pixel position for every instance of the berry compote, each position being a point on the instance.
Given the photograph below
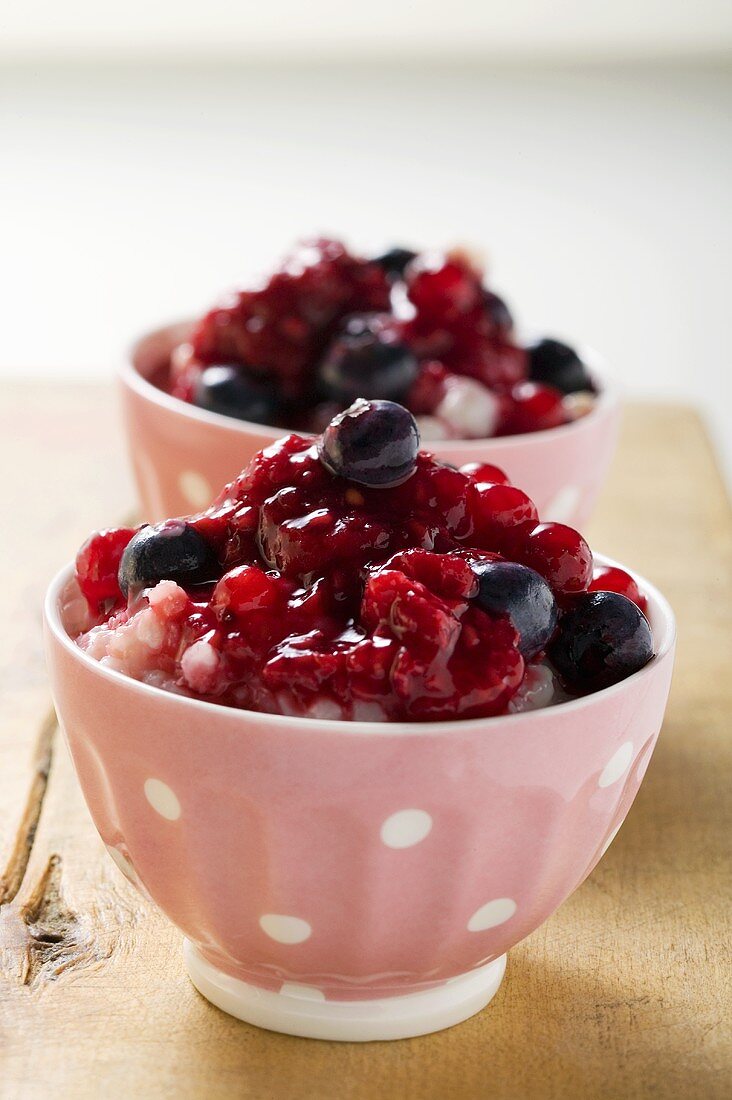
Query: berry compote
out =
(423, 329)
(356, 577)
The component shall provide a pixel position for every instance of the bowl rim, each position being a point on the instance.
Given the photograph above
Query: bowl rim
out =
(661, 612)
(608, 400)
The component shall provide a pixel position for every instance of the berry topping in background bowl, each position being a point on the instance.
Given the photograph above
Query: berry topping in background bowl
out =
(328, 327)
(355, 577)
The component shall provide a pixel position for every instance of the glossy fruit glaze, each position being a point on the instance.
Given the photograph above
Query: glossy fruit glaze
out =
(328, 327)
(303, 591)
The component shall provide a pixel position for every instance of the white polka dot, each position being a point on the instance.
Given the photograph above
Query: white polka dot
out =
(195, 489)
(285, 929)
(617, 765)
(302, 992)
(405, 828)
(563, 506)
(610, 839)
(492, 914)
(162, 799)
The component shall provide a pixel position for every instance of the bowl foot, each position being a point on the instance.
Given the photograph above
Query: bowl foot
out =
(349, 1021)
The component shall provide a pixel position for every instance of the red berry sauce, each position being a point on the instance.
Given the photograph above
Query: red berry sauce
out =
(464, 371)
(335, 599)
(280, 330)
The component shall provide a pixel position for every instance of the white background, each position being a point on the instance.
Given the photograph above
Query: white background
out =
(519, 28)
(142, 173)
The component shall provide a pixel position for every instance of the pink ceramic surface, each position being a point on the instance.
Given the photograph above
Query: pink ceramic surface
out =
(182, 456)
(356, 860)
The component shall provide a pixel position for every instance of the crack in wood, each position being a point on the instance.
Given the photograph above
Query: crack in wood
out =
(12, 876)
(44, 937)
(55, 935)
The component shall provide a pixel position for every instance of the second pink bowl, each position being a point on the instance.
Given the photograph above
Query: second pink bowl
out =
(182, 456)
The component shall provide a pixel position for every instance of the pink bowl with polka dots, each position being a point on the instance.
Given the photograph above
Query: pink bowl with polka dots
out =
(353, 880)
(182, 456)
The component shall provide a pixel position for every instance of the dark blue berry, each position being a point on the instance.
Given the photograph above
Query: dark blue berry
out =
(602, 639)
(171, 551)
(366, 361)
(558, 365)
(229, 390)
(506, 588)
(373, 442)
(395, 261)
(498, 312)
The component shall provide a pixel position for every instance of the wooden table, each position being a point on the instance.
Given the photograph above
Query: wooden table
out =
(621, 994)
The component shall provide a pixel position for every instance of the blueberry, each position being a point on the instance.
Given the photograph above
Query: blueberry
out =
(498, 312)
(395, 261)
(373, 442)
(172, 551)
(365, 361)
(229, 390)
(558, 365)
(506, 588)
(602, 639)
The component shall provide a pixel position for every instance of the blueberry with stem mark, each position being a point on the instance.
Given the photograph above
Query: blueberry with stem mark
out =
(374, 443)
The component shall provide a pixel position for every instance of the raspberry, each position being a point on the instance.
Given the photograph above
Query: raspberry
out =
(480, 677)
(279, 331)
(97, 565)
(301, 540)
(308, 664)
(443, 289)
(457, 323)
(289, 459)
(439, 492)
(450, 658)
(491, 360)
(408, 611)
(449, 575)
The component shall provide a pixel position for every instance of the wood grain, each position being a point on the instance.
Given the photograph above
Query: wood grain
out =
(623, 993)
